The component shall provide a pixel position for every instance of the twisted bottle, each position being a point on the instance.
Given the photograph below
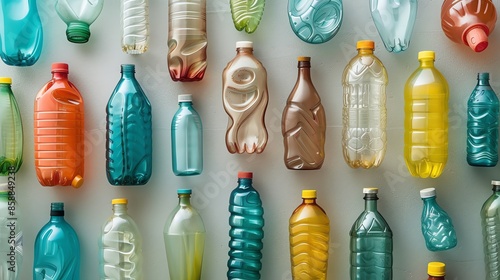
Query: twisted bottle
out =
(11, 128)
(247, 14)
(135, 26)
(490, 221)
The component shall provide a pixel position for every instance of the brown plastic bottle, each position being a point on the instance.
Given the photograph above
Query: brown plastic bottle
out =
(304, 122)
(436, 271)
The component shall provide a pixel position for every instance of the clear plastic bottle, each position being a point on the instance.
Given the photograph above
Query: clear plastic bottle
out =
(59, 131)
(120, 245)
(245, 99)
(187, 139)
(247, 223)
(364, 112)
(426, 119)
(187, 40)
(437, 227)
(78, 16)
(184, 235)
(11, 127)
(318, 21)
(21, 35)
(371, 242)
(482, 124)
(11, 233)
(309, 239)
(303, 124)
(436, 271)
(129, 139)
(135, 26)
(247, 15)
(490, 222)
(57, 248)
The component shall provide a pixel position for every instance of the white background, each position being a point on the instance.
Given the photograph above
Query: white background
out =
(95, 70)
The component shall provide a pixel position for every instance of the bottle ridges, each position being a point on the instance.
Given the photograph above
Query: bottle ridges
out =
(135, 27)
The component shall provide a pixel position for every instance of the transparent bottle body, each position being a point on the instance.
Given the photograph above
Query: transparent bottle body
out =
(490, 222)
(245, 16)
(135, 26)
(11, 238)
(11, 128)
(437, 227)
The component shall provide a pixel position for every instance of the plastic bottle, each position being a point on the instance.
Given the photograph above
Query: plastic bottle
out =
(57, 249)
(245, 100)
(11, 233)
(21, 35)
(469, 22)
(129, 132)
(303, 124)
(247, 223)
(184, 235)
(490, 222)
(78, 16)
(187, 139)
(11, 127)
(309, 239)
(482, 124)
(371, 242)
(437, 227)
(120, 245)
(187, 40)
(436, 270)
(247, 15)
(59, 131)
(364, 112)
(135, 26)
(394, 21)
(426, 119)
(317, 22)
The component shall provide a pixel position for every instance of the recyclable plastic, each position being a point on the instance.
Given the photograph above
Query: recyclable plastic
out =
(11, 128)
(78, 16)
(135, 26)
(11, 233)
(490, 223)
(436, 271)
(247, 15)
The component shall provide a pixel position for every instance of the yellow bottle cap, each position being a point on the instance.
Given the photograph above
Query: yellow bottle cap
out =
(436, 269)
(303, 58)
(308, 193)
(365, 44)
(5, 80)
(77, 181)
(119, 201)
(426, 55)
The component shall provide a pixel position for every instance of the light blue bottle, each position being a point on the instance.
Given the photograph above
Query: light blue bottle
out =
(246, 231)
(437, 227)
(482, 124)
(21, 35)
(129, 132)
(315, 21)
(187, 139)
(57, 249)
(394, 20)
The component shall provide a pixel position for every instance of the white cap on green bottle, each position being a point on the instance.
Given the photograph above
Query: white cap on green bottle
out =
(185, 98)
(429, 192)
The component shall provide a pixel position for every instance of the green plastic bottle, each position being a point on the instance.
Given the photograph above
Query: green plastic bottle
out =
(247, 14)
(11, 138)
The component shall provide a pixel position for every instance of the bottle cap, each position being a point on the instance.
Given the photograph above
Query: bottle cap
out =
(436, 269)
(185, 98)
(429, 192)
(477, 38)
(77, 181)
(495, 183)
(245, 175)
(60, 67)
(5, 80)
(365, 44)
(308, 193)
(244, 44)
(370, 190)
(184, 191)
(119, 201)
(303, 58)
(426, 55)
(480, 76)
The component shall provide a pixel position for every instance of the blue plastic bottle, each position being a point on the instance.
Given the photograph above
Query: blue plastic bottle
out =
(482, 124)
(57, 249)
(187, 139)
(246, 232)
(129, 132)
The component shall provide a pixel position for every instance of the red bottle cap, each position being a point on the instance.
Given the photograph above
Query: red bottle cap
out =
(477, 38)
(60, 67)
(245, 175)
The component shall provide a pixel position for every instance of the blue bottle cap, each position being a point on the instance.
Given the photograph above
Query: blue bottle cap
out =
(184, 191)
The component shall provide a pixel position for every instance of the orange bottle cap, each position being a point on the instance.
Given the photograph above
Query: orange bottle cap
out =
(303, 58)
(245, 175)
(119, 201)
(477, 39)
(77, 181)
(5, 80)
(426, 55)
(436, 269)
(308, 193)
(60, 67)
(365, 44)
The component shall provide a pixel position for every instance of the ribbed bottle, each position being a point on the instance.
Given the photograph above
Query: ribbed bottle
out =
(11, 128)
(309, 229)
(135, 26)
(11, 233)
(129, 132)
(247, 15)
(490, 222)
(482, 124)
(247, 223)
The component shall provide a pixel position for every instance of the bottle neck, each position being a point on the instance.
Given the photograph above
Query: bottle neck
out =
(371, 202)
(128, 71)
(304, 68)
(429, 199)
(185, 104)
(184, 199)
(309, 200)
(119, 209)
(426, 63)
(5, 86)
(365, 51)
(244, 182)
(244, 50)
(60, 75)
(483, 82)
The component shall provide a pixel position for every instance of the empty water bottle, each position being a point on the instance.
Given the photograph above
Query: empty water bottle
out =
(135, 26)
(11, 127)
(490, 222)
(247, 15)
(78, 16)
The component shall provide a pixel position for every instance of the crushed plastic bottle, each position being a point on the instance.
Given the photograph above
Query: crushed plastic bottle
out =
(247, 14)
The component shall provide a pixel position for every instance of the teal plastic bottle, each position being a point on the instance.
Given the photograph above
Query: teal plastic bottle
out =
(490, 223)
(247, 14)
(129, 132)
(482, 124)
(247, 223)
(11, 127)
(371, 242)
(21, 35)
(11, 233)
(187, 139)
(57, 249)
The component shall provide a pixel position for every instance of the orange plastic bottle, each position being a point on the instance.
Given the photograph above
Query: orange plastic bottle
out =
(59, 131)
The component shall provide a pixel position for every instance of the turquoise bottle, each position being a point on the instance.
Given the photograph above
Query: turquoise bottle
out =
(11, 232)
(482, 124)
(129, 132)
(11, 128)
(247, 14)
(371, 242)
(490, 224)
(247, 223)
(21, 35)
(316, 21)
(187, 139)
(57, 249)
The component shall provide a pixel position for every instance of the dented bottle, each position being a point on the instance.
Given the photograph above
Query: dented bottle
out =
(135, 26)
(490, 222)
(247, 15)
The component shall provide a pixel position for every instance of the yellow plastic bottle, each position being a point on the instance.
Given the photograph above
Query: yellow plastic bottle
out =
(426, 119)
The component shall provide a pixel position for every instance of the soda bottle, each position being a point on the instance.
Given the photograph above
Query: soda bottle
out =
(184, 235)
(11, 233)
(135, 26)
(482, 124)
(187, 40)
(247, 15)
(129, 133)
(78, 16)
(437, 227)
(11, 139)
(57, 249)
(247, 223)
(317, 22)
(469, 22)
(394, 21)
(59, 131)
(120, 245)
(21, 35)
(245, 100)
(309, 239)
(187, 139)
(371, 242)
(304, 122)
(426, 119)
(490, 222)
(436, 270)
(364, 112)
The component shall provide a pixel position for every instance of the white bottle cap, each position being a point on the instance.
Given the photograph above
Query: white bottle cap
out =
(185, 98)
(495, 183)
(429, 192)
(244, 44)
(370, 190)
